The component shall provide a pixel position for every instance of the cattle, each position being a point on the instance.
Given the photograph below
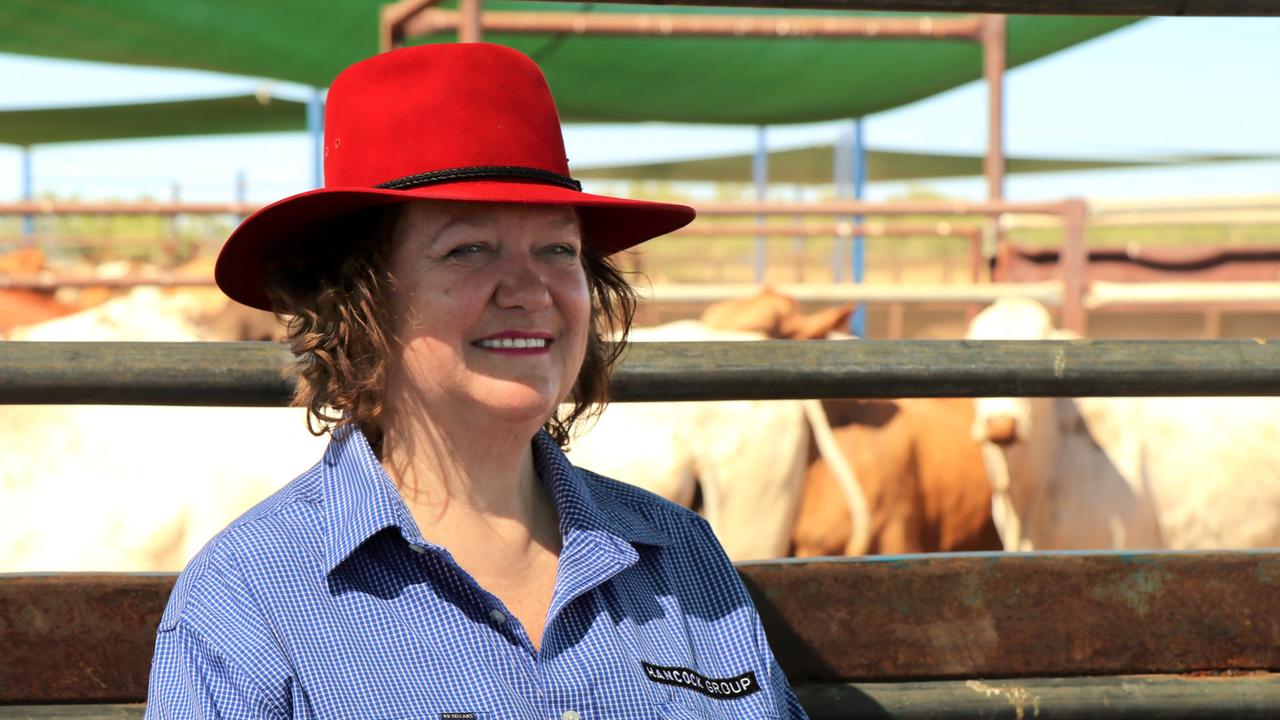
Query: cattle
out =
(24, 307)
(923, 477)
(219, 317)
(776, 316)
(134, 488)
(920, 474)
(1125, 473)
(746, 458)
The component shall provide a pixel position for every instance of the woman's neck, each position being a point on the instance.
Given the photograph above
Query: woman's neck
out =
(460, 479)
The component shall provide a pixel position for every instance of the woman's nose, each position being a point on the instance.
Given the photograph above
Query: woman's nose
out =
(521, 285)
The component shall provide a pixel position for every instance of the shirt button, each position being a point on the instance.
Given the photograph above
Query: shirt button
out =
(497, 616)
(418, 549)
(570, 715)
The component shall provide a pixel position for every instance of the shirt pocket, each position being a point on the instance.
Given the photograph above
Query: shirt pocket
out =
(678, 711)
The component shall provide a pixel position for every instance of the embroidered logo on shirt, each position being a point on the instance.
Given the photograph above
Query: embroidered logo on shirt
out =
(458, 716)
(718, 688)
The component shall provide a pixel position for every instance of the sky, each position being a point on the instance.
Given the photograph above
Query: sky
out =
(1164, 85)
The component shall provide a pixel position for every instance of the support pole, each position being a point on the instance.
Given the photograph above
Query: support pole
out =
(839, 162)
(471, 27)
(858, 321)
(315, 131)
(174, 247)
(994, 41)
(1073, 260)
(760, 172)
(28, 195)
(242, 189)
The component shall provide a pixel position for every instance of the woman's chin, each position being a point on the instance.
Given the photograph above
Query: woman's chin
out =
(520, 403)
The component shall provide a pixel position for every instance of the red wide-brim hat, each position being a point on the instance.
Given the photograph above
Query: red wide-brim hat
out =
(463, 122)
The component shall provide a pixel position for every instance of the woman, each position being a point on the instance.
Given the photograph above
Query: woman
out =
(445, 293)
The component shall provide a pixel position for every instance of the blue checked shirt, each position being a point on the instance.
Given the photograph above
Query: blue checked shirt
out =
(324, 601)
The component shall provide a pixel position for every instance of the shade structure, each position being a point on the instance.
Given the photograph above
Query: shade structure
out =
(814, 165)
(209, 116)
(594, 78)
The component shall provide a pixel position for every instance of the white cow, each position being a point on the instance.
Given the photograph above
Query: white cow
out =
(134, 488)
(1125, 473)
(747, 456)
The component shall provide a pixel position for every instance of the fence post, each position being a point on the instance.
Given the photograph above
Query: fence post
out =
(1073, 260)
(760, 169)
(28, 195)
(858, 321)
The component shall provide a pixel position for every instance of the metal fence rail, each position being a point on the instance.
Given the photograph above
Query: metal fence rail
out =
(1175, 8)
(251, 374)
(944, 630)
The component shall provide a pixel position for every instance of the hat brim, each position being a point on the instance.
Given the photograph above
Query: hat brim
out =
(609, 224)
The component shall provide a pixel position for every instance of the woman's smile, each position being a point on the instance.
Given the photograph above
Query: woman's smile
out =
(516, 342)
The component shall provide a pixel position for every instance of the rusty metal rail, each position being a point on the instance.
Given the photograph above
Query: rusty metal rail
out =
(251, 374)
(945, 630)
(1172, 697)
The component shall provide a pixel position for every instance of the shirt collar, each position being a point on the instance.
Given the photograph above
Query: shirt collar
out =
(360, 500)
(582, 503)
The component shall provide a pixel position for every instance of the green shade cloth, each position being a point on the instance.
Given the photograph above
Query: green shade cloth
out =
(214, 116)
(595, 79)
(814, 165)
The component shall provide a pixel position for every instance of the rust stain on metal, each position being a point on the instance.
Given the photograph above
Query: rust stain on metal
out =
(993, 616)
(78, 637)
(1135, 589)
(89, 638)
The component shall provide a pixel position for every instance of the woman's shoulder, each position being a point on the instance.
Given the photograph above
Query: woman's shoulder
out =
(674, 523)
(272, 532)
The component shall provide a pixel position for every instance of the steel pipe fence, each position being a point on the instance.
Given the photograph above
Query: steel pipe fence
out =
(1172, 8)
(253, 374)
(1167, 630)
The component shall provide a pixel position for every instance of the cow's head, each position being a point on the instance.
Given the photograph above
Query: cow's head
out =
(776, 316)
(1007, 420)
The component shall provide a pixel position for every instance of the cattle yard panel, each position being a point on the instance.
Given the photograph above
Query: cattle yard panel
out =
(253, 373)
(1153, 630)
(1072, 212)
(1173, 8)
(1073, 265)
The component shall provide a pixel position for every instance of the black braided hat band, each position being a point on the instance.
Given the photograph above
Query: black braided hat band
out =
(481, 172)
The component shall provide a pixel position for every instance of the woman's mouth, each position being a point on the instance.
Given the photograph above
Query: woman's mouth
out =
(513, 343)
(516, 342)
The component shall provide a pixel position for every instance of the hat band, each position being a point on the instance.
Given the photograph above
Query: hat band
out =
(481, 172)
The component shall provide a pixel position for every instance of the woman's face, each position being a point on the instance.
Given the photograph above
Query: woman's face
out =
(493, 309)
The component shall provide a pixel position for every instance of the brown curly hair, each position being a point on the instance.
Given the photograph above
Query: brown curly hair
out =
(334, 301)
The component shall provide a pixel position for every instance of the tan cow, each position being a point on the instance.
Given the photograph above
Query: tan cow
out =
(922, 474)
(776, 316)
(26, 307)
(217, 316)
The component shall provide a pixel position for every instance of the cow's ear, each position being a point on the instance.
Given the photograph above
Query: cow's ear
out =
(817, 326)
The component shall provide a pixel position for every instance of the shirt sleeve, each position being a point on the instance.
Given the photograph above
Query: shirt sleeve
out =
(788, 706)
(192, 679)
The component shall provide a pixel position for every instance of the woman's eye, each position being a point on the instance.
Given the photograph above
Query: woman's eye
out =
(564, 250)
(468, 250)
